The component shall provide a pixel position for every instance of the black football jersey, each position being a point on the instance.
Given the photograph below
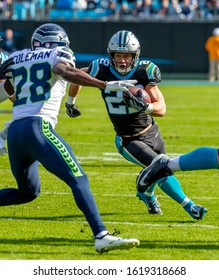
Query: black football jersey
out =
(126, 121)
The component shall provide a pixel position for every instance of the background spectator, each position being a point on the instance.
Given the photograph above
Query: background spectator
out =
(8, 44)
(212, 47)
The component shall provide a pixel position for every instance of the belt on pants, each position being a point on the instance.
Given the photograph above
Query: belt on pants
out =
(139, 133)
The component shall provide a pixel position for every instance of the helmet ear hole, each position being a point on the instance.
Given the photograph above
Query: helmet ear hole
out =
(49, 36)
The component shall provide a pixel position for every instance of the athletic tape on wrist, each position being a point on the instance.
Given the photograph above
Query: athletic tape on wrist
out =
(71, 100)
(150, 108)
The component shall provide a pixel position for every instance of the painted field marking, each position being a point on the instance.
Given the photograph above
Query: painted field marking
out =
(118, 223)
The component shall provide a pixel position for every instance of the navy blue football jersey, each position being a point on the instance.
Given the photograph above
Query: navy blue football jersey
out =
(126, 120)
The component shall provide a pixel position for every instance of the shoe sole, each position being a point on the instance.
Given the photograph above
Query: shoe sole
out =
(125, 246)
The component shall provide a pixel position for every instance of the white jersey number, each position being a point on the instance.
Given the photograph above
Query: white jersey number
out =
(116, 106)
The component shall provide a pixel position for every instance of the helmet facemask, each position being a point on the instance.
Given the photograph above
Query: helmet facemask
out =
(123, 71)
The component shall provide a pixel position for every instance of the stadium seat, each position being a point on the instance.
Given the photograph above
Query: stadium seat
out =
(20, 11)
(61, 14)
(98, 13)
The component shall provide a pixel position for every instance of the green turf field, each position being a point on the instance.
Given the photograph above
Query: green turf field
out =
(51, 227)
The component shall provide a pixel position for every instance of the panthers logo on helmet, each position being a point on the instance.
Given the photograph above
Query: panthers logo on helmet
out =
(67, 54)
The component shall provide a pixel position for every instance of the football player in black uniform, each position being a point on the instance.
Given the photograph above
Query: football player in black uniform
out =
(138, 138)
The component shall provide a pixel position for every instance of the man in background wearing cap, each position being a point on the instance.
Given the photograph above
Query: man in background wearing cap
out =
(212, 47)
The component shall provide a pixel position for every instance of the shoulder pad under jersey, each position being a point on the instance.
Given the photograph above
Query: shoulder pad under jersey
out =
(65, 54)
(152, 71)
(96, 65)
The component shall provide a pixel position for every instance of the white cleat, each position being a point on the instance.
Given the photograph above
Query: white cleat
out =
(110, 242)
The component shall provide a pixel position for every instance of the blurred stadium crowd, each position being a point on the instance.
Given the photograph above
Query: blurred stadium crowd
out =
(109, 9)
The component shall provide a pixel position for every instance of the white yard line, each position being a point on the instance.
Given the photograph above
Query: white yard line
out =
(119, 223)
(124, 195)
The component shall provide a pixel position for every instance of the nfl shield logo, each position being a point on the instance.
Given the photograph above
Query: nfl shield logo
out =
(36, 44)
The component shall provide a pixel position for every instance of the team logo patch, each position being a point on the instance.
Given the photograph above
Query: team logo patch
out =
(36, 44)
(157, 73)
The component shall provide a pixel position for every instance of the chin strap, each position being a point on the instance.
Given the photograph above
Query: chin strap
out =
(123, 72)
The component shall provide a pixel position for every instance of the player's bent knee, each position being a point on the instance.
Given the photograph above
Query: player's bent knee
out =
(24, 198)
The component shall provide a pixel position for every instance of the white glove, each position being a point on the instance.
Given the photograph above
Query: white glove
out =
(120, 85)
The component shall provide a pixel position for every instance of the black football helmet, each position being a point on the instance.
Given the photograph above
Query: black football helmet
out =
(49, 36)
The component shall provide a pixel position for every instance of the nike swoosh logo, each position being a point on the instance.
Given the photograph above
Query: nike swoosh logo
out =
(141, 182)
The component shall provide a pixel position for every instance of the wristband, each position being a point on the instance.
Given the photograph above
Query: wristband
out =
(3, 93)
(150, 108)
(71, 100)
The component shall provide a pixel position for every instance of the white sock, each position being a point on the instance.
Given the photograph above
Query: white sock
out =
(101, 234)
(173, 164)
(185, 201)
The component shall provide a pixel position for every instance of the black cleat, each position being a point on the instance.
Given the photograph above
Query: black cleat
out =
(152, 205)
(156, 170)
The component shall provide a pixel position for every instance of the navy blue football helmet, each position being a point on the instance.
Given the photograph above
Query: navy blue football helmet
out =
(49, 36)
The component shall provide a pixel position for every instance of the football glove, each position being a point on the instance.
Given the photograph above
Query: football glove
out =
(120, 85)
(5, 68)
(137, 102)
(72, 110)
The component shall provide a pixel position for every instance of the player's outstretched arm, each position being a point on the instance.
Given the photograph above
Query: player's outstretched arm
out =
(77, 76)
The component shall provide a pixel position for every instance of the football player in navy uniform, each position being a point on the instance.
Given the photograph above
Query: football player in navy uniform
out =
(138, 138)
(40, 77)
